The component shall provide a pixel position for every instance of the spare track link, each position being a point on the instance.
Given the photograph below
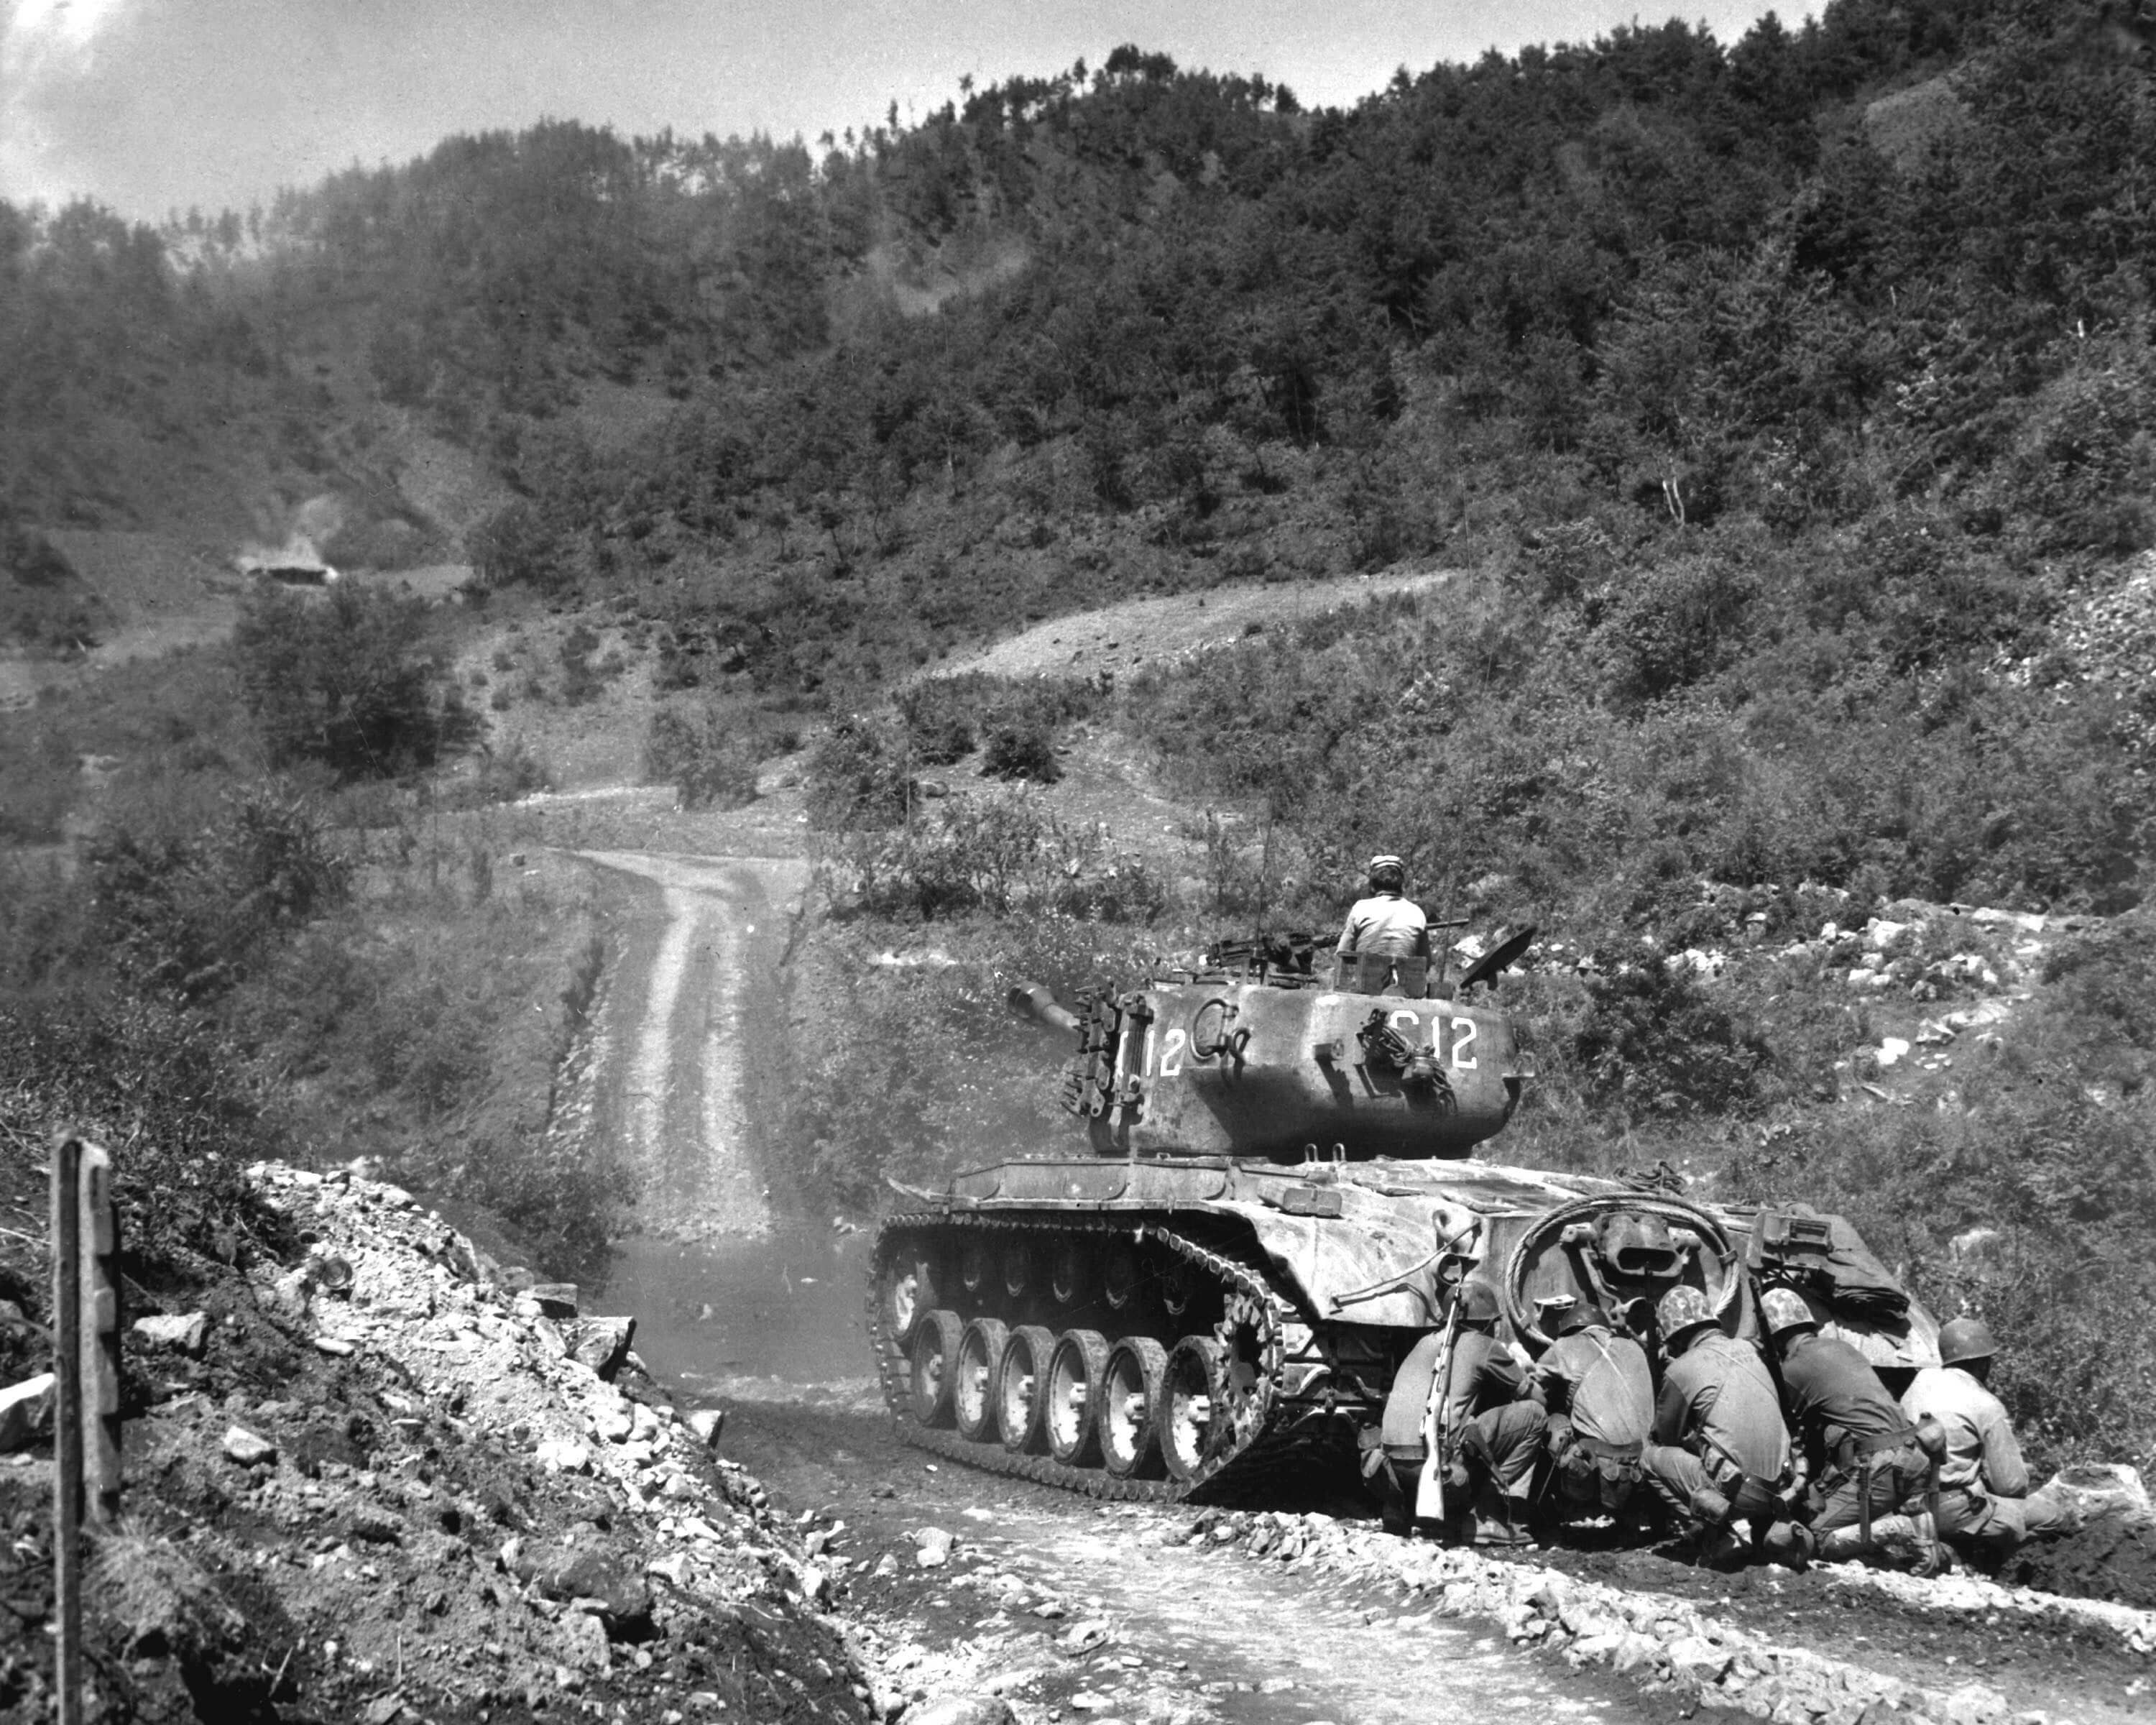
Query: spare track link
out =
(1262, 1454)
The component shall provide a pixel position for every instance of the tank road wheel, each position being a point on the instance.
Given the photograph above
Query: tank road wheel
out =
(1070, 1414)
(1070, 1275)
(973, 1386)
(909, 1290)
(1017, 1269)
(935, 1365)
(973, 1266)
(1019, 1386)
(1119, 1276)
(1178, 1286)
(1130, 1404)
(1197, 1424)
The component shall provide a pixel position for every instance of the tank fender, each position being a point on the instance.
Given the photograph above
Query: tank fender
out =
(1377, 1239)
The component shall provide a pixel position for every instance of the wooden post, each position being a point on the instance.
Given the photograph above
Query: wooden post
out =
(86, 1390)
(99, 1233)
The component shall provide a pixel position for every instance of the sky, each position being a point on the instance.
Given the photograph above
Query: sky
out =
(155, 105)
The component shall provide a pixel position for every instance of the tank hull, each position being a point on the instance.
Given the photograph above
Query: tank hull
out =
(1256, 1310)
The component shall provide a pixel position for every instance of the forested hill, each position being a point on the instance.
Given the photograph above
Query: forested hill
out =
(1878, 284)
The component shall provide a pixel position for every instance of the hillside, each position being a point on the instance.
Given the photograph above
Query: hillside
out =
(1692, 497)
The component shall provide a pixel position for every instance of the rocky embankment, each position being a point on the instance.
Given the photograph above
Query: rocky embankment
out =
(385, 1482)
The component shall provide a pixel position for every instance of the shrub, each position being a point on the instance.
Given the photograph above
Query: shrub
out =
(992, 855)
(857, 777)
(566, 1205)
(941, 716)
(1656, 1046)
(160, 1088)
(703, 754)
(516, 544)
(30, 559)
(510, 771)
(340, 681)
(186, 912)
(1022, 748)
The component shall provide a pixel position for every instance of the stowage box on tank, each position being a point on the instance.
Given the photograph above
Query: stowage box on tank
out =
(1278, 1203)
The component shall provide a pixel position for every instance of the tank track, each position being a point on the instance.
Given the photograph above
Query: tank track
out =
(1267, 1448)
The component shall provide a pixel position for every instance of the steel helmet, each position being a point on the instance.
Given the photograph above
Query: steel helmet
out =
(1478, 1303)
(1784, 1311)
(1962, 1339)
(1683, 1311)
(1789, 1542)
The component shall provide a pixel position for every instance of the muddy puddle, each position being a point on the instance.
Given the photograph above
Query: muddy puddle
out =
(777, 1318)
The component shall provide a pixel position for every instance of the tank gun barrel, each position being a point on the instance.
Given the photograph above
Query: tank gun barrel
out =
(1032, 1000)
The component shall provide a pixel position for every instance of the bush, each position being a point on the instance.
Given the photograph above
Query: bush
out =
(992, 855)
(1656, 1046)
(515, 544)
(857, 778)
(186, 912)
(512, 771)
(161, 1089)
(1022, 749)
(340, 681)
(703, 754)
(30, 559)
(940, 715)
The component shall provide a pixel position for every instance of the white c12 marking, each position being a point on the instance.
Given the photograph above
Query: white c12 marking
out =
(1171, 1054)
(1463, 1039)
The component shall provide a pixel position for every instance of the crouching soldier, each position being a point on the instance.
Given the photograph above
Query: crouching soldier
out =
(1491, 1436)
(1718, 1456)
(1985, 1507)
(1599, 1394)
(1867, 1466)
(1463, 1389)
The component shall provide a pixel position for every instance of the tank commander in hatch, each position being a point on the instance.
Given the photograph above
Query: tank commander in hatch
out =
(1385, 925)
(1984, 1505)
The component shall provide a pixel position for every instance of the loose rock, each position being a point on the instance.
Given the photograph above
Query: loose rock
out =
(247, 1448)
(26, 1411)
(963, 1710)
(602, 1344)
(186, 1331)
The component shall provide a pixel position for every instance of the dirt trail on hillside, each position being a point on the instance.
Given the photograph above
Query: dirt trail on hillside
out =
(1152, 632)
(686, 1033)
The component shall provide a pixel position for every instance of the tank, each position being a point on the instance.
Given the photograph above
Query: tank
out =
(1276, 1195)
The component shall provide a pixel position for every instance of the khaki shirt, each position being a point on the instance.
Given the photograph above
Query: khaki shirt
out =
(1389, 926)
(1484, 1376)
(1982, 1453)
(1718, 1402)
(1600, 1381)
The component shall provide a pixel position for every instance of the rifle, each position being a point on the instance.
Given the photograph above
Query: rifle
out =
(1429, 1489)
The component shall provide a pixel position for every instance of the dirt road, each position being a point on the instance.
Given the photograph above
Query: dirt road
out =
(687, 1036)
(1071, 1608)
